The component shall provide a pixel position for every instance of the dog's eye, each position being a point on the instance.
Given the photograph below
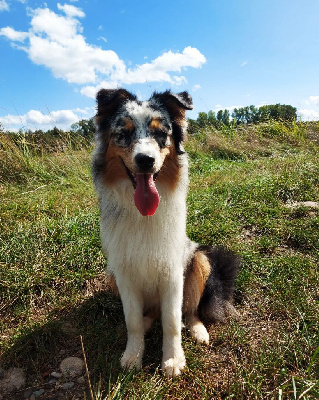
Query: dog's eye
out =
(123, 137)
(124, 133)
(160, 136)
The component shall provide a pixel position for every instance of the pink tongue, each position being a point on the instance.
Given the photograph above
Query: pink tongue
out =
(146, 197)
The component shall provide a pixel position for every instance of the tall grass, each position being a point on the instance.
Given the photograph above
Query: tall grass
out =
(25, 156)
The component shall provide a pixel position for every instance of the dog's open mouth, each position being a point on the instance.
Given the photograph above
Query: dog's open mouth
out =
(146, 197)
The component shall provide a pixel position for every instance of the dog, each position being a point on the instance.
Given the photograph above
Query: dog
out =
(140, 172)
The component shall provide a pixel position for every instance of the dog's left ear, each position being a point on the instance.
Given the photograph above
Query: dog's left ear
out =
(176, 105)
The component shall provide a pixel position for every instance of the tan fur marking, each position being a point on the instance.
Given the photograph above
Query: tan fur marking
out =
(114, 168)
(155, 124)
(170, 171)
(128, 125)
(195, 282)
(113, 286)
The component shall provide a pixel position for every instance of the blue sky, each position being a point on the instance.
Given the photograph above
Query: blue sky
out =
(56, 55)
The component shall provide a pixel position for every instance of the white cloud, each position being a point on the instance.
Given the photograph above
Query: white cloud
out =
(13, 34)
(314, 100)
(158, 70)
(4, 6)
(103, 38)
(196, 87)
(71, 11)
(309, 115)
(310, 112)
(244, 63)
(56, 42)
(35, 119)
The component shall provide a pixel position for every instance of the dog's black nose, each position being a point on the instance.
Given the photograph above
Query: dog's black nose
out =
(144, 162)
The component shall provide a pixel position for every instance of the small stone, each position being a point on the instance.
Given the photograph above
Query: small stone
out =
(72, 367)
(28, 393)
(309, 204)
(81, 380)
(56, 375)
(67, 385)
(38, 393)
(52, 381)
(32, 397)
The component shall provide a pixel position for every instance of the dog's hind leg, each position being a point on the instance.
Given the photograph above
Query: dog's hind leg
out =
(197, 329)
(217, 297)
(196, 276)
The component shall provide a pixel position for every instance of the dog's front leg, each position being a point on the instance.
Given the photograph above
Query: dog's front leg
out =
(133, 311)
(171, 306)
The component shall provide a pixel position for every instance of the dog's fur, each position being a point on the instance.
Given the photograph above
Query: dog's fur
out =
(157, 269)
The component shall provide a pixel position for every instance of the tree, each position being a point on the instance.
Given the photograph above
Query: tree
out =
(211, 117)
(85, 127)
(223, 117)
(246, 115)
(278, 112)
(202, 119)
(55, 132)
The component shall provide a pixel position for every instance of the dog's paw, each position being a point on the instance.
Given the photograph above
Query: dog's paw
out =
(200, 334)
(173, 366)
(131, 361)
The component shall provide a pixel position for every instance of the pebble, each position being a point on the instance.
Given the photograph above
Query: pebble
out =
(81, 380)
(38, 393)
(27, 393)
(67, 385)
(72, 367)
(309, 204)
(56, 375)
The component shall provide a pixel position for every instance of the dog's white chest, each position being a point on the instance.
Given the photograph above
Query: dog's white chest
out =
(146, 249)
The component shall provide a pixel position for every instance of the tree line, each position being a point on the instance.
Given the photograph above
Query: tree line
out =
(247, 115)
(243, 115)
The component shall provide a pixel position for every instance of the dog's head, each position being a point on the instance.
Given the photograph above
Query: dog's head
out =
(141, 140)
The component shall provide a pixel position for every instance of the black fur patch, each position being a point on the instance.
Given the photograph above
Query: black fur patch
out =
(175, 105)
(220, 285)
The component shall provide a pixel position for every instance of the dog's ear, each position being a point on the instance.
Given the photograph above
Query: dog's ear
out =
(108, 103)
(108, 100)
(174, 103)
(176, 106)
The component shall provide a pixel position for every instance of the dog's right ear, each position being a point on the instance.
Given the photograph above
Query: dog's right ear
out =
(108, 103)
(109, 100)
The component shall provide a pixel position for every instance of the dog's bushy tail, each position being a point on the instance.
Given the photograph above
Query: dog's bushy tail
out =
(216, 303)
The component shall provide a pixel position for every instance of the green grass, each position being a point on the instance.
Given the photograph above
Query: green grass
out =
(53, 289)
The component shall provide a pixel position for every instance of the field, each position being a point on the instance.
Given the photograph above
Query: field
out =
(248, 191)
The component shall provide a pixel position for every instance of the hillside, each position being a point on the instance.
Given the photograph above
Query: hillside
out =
(251, 188)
